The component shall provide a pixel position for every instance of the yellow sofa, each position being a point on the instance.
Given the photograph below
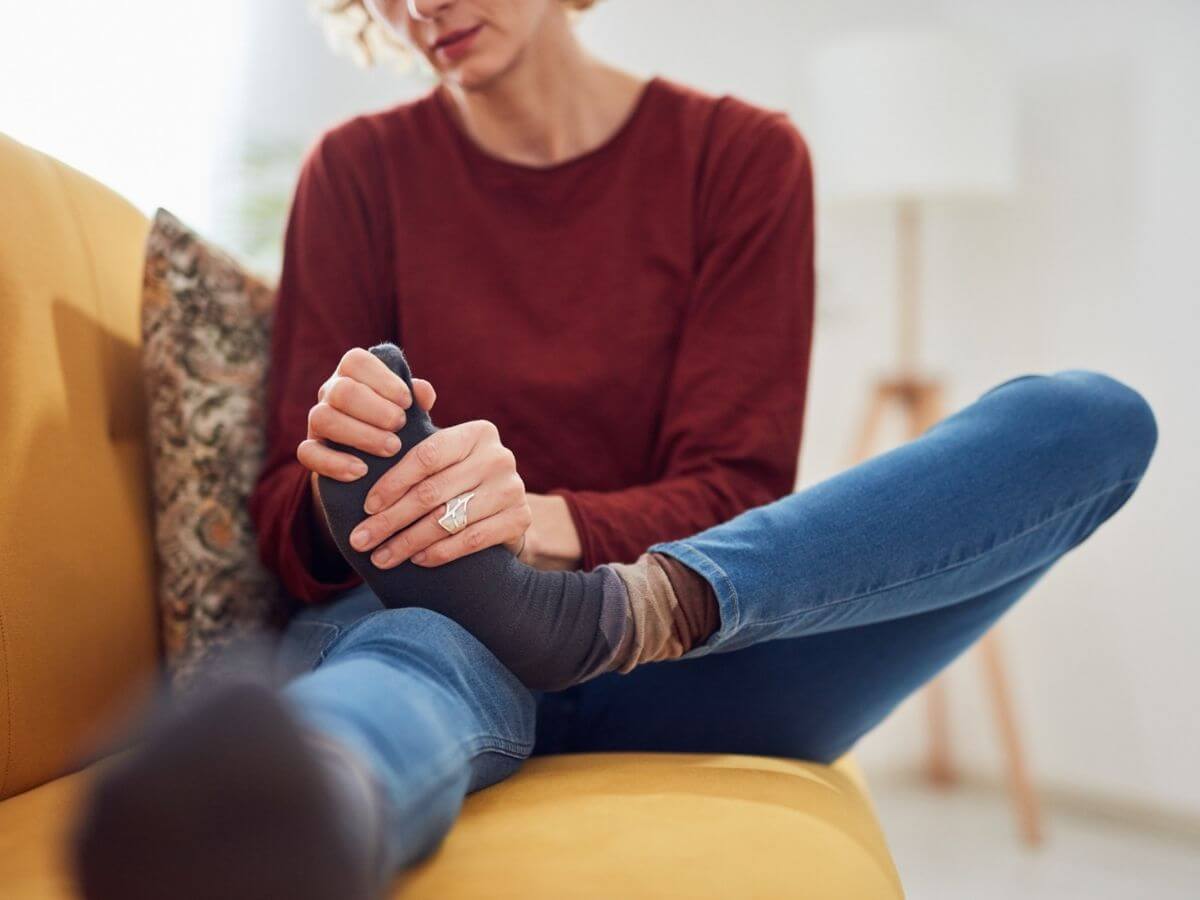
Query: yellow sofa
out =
(78, 629)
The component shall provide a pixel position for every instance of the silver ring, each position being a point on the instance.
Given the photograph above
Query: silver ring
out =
(454, 519)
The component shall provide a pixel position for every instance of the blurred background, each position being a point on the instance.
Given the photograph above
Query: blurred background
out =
(1086, 260)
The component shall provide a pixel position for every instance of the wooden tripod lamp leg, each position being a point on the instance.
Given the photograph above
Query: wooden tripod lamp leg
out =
(939, 760)
(869, 435)
(1024, 797)
(925, 409)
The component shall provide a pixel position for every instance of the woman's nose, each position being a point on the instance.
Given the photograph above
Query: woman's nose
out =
(422, 10)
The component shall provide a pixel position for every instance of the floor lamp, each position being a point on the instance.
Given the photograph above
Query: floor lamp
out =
(904, 117)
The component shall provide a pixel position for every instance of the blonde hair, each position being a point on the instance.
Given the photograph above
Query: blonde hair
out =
(350, 29)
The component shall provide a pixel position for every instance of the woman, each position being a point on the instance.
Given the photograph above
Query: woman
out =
(609, 283)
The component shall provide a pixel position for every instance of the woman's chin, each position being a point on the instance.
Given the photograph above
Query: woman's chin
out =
(473, 71)
(466, 78)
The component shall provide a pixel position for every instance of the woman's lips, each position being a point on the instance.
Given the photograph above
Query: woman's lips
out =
(457, 43)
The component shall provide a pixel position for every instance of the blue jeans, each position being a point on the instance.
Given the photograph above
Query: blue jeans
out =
(840, 600)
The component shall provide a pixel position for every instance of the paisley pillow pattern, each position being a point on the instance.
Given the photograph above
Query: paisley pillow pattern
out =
(206, 326)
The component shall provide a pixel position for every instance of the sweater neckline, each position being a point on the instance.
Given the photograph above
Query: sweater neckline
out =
(485, 159)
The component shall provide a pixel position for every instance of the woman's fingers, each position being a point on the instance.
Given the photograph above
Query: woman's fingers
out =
(360, 401)
(403, 506)
(324, 460)
(439, 451)
(332, 424)
(432, 494)
(426, 395)
(497, 529)
(361, 405)
(427, 532)
(363, 365)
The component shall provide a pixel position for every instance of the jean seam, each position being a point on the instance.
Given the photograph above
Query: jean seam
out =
(324, 651)
(338, 631)
(958, 565)
(342, 630)
(487, 743)
(709, 567)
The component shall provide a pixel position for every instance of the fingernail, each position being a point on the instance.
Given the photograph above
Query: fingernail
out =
(392, 444)
(357, 470)
(419, 557)
(361, 537)
(372, 505)
(381, 557)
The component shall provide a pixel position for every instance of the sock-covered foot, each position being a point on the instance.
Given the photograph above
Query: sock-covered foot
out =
(551, 629)
(229, 799)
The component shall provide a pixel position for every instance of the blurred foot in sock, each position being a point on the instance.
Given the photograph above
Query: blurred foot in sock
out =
(233, 799)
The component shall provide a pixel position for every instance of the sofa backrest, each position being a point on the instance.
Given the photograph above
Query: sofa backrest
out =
(78, 621)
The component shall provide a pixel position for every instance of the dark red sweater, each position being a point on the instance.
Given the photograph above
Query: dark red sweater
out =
(636, 320)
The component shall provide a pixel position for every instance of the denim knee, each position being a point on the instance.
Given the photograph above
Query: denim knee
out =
(1083, 415)
(1119, 416)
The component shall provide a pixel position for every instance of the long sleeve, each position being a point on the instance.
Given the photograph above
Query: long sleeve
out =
(731, 424)
(334, 293)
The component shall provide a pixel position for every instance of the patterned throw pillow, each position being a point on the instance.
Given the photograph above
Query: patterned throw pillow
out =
(206, 345)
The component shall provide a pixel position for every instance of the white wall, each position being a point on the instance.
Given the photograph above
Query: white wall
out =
(290, 86)
(1092, 265)
(131, 92)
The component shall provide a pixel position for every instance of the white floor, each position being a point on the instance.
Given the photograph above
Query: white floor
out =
(961, 843)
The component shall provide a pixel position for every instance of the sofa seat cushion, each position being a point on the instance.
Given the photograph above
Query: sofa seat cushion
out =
(602, 825)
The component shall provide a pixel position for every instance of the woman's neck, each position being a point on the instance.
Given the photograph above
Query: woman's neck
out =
(555, 102)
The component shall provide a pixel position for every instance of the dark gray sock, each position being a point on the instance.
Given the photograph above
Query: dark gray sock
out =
(224, 798)
(551, 629)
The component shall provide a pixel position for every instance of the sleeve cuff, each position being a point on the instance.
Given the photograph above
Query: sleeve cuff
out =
(589, 557)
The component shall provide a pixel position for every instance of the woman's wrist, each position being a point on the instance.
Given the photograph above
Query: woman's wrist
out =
(551, 541)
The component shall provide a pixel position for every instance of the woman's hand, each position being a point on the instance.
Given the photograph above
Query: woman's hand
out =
(360, 405)
(406, 502)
